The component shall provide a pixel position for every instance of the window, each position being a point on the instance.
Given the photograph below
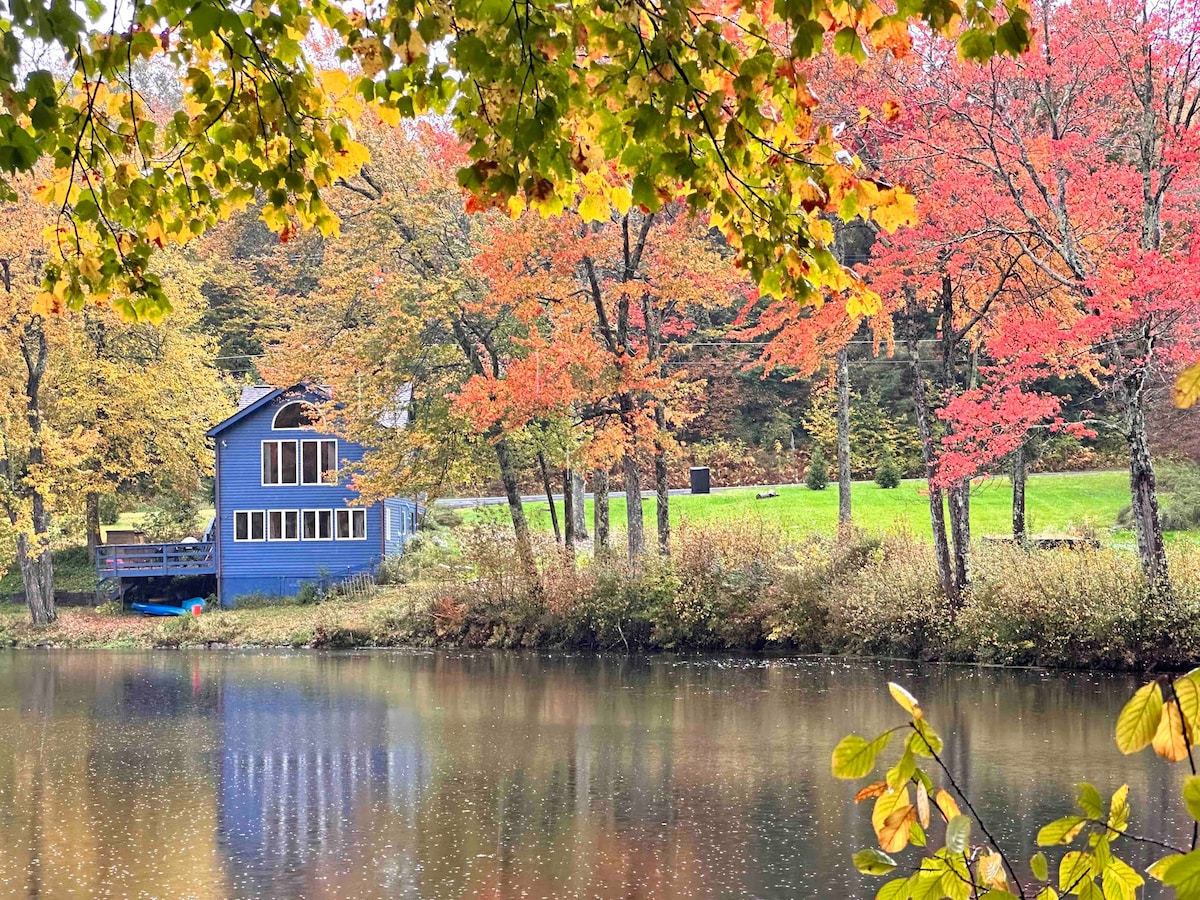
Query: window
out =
(388, 531)
(316, 525)
(279, 463)
(283, 525)
(295, 415)
(318, 462)
(351, 524)
(248, 525)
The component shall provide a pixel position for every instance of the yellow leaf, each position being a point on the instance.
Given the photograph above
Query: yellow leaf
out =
(335, 81)
(594, 208)
(863, 302)
(946, 804)
(887, 803)
(388, 115)
(991, 871)
(896, 207)
(1139, 718)
(1187, 387)
(1168, 740)
(895, 831)
(906, 700)
(622, 200)
(47, 303)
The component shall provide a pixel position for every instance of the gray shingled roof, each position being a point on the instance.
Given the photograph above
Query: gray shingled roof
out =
(252, 393)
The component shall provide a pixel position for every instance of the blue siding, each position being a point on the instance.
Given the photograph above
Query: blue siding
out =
(279, 568)
(402, 515)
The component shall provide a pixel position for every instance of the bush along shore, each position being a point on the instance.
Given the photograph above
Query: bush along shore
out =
(736, 587)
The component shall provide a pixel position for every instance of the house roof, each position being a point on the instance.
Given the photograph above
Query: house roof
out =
(252, 393)
(255, 396)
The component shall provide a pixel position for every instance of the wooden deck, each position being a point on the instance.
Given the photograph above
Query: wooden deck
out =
(150, 560)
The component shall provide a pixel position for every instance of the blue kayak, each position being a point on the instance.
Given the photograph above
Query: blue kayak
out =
(188, 608)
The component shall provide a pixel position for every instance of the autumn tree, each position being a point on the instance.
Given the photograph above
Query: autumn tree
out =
(1082, 156)
(675, 94)
(396, 324)
(610, 294)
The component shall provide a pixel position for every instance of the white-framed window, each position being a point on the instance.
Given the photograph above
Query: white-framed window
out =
(316, 525)
(350, 524)
(318, 462)
(388, 531)
(283, 525)
(249, 525)
(297, 414)
(280, 463)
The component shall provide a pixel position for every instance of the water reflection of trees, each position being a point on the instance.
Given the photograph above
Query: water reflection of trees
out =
(447, 775)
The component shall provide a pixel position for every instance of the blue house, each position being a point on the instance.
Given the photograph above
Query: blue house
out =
(285, 511)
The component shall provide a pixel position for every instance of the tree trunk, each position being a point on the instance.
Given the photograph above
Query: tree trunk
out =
(541, 460)
(1019, 474)
(516, 509)
(633, 511)
(568, 509)
(600, 509)
(37, 573)
(578, 506)
(662, 484)
(843, 439)
(33, 548)
(960, 531)
(92, 522)
(937, 514)
(1143, 491)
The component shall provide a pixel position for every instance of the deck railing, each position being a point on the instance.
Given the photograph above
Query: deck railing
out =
(148, 560)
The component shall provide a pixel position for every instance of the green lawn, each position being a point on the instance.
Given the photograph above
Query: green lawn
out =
(1053, 503)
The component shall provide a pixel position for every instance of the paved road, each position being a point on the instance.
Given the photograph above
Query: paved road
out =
(468, 502)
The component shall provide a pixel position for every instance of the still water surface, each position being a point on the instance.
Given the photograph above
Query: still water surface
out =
(465, 775)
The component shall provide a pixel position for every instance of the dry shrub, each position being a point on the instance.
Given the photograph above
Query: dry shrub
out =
(1079, 608)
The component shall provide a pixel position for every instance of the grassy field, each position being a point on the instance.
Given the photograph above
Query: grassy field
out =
(1053, 503)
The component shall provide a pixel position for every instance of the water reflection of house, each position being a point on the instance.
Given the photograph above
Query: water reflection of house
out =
(302, 774)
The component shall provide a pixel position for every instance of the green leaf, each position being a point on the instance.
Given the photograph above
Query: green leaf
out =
(976, 45)
(1183, 874)
(854, 756)
(1047, 893)
(1139, 718)
(1157, 870)
(873, 862)
(1191, 796)
(1060, 831)
(904, 769)
(1121, 881)
(958, 834)
(1074, 868)
(1090, 801)
(204, 19)
(1039, 867)
(894, 890)
(847, 43)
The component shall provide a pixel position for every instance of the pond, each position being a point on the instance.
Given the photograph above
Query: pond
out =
(222, 774)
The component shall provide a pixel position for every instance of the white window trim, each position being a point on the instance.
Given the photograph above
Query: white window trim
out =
(283, 526)
(275, 418)
(249, 526)
(350, 511)
(317, 512)
(279, 464)
(320, 482)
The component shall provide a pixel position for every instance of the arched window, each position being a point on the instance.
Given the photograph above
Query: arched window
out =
(295, 415)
